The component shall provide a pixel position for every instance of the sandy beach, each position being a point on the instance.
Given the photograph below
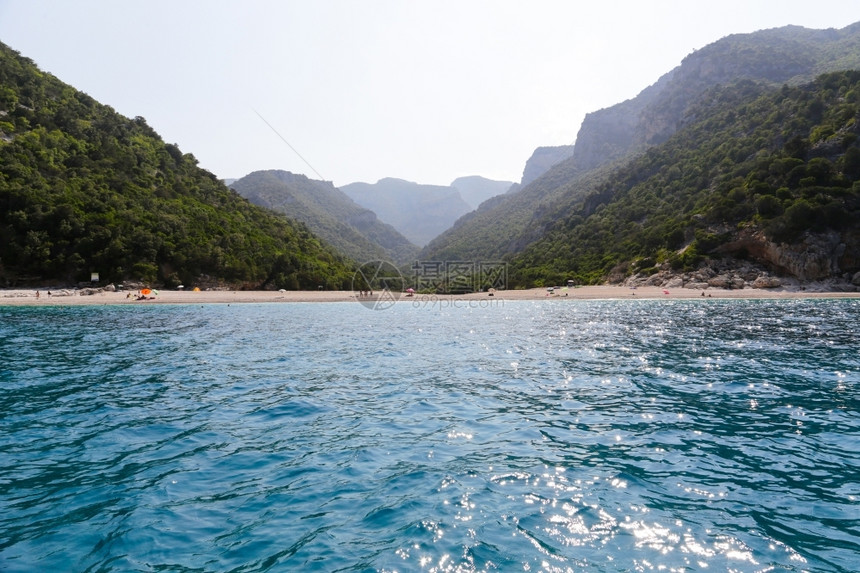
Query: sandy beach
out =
(68, 297)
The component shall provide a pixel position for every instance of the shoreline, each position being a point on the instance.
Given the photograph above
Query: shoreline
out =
(66, 297)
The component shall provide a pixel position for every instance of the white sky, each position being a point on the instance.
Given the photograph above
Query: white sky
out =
(420, 90)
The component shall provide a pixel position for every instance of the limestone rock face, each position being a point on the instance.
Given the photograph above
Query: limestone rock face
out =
(815, 257)
(816, 260)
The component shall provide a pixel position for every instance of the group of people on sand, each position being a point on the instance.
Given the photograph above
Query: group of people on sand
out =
(365, 293)
(139, 296)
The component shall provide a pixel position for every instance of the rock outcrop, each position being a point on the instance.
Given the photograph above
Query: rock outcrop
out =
(734, 274)
(543, 159)
(816, 256)
(765, 281)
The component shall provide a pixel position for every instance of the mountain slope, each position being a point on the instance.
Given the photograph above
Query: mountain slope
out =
(608, 136)
(352, 230)
(769, 176)
(788, 55)
(84, 189)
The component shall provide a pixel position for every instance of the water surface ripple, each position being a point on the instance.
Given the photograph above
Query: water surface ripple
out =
(512, 436)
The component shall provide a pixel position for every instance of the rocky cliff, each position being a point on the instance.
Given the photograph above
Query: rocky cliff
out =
(754, 261)
(791, 54)
(543, 159)
(816, 256)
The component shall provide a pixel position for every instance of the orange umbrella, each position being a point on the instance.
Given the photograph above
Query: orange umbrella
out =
(145, 291)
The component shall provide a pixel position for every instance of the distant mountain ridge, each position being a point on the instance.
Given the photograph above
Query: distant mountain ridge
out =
(421, 212)
(509, 224)
(353, 230)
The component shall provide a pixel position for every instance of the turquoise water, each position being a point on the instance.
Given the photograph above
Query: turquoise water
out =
(506, 436)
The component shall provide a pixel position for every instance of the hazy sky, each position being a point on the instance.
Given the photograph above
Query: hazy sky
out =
(424, 91)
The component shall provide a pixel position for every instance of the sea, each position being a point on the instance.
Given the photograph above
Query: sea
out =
(432, 435)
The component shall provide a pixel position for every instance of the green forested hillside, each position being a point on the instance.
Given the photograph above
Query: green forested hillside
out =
(353, 230)
(84, 189)
(753, 161)
(505, 224)
(789, 55)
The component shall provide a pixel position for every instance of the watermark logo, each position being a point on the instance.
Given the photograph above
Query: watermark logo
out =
(434, 302)
(378, 285)
(459, 277)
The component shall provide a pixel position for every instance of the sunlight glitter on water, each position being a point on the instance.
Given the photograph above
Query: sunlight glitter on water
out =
(256, 437)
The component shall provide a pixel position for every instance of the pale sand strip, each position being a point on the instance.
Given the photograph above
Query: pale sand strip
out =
(28, 296)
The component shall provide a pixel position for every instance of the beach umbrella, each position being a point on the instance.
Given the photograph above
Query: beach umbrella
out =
(145, 291)
(410, 289)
